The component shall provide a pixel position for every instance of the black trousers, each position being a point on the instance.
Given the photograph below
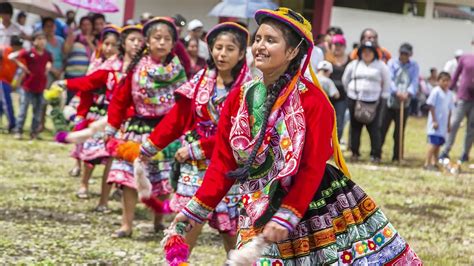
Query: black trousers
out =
(389, 115)
(374, 132)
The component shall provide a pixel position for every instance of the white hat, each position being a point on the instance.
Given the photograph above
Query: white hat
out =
(458, 52)
(325, 65)
(194, 24)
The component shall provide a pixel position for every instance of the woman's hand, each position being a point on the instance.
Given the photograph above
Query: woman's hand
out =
(274, 232)
(145, 159)
(182, 154)
(180, 217)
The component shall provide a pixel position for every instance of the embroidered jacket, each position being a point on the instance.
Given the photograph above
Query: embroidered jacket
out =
(301, 187)
(107, 75)
(150, 89)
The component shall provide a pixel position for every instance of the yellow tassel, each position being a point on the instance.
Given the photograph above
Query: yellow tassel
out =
(53, 93)
(338, 157)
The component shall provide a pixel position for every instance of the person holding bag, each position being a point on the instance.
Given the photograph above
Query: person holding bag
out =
(366, 80)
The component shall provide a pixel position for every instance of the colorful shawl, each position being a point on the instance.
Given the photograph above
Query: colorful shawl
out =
(286, 120)
(202, 87)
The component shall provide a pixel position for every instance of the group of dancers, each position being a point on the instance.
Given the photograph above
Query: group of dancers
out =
(246, 154)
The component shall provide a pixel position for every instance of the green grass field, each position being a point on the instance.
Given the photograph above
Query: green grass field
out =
(42, 222)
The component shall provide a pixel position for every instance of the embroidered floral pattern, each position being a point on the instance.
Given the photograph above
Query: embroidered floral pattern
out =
(153, 86)
(346, 257)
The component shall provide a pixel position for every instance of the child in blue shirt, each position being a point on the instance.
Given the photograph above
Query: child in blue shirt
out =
(441, 103)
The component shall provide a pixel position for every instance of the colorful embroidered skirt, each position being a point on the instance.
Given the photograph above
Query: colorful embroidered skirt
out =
(121, 172)
(342, 226)
(93, 149)
(225, 216)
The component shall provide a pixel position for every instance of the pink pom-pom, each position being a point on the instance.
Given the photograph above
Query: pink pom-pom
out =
(166, 207)
(61, 136)
(156, 205)
(176, 250)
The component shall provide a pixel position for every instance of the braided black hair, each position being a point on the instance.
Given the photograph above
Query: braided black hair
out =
(241, 41)
(292, 40)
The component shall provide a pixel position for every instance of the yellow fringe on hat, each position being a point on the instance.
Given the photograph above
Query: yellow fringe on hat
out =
(338, 157)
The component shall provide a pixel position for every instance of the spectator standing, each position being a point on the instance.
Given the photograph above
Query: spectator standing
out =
(26, 30)
(37, 64)
(441, 104)
(98, 22)
(426, 85)
(452, 64)
(317, 56)
(81, 48)
(339, 60)
(71, 19)
(145, 17)
(180, 49)
(180, 23)
(7, 27)
(197, 63)
(195, 28)
(334, 30)
(370, 35)
(324, 71)
(7, 30)
(55, 46)
(404, 74)
(367, 80)
(432, 80)
(8, 69)
(62, 28)
(464, 105)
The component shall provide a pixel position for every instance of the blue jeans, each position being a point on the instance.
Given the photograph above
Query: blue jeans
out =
(36, 100)
(463, 109)
(6, 104)
(340, 107)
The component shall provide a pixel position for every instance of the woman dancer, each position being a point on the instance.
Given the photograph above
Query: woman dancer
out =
(96, 91)
(195, 115)
(152, 77)
(275, 136)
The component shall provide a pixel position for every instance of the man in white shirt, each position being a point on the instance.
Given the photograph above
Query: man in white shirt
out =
(317, 56)
(195, 31)
(452, 64)
(7, 27)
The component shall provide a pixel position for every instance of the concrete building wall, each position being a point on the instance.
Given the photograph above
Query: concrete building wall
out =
(434, 40)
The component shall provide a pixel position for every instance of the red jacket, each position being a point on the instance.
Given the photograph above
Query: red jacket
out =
(319, 117)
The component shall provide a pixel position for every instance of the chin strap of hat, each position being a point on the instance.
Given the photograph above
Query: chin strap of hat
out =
(338, 156)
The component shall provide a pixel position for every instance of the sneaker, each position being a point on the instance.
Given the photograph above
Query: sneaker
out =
(354, 158)
(35, 136)
(75, 172)
(444, 155)
(464, 158)
(374, 160)
(18, 136)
